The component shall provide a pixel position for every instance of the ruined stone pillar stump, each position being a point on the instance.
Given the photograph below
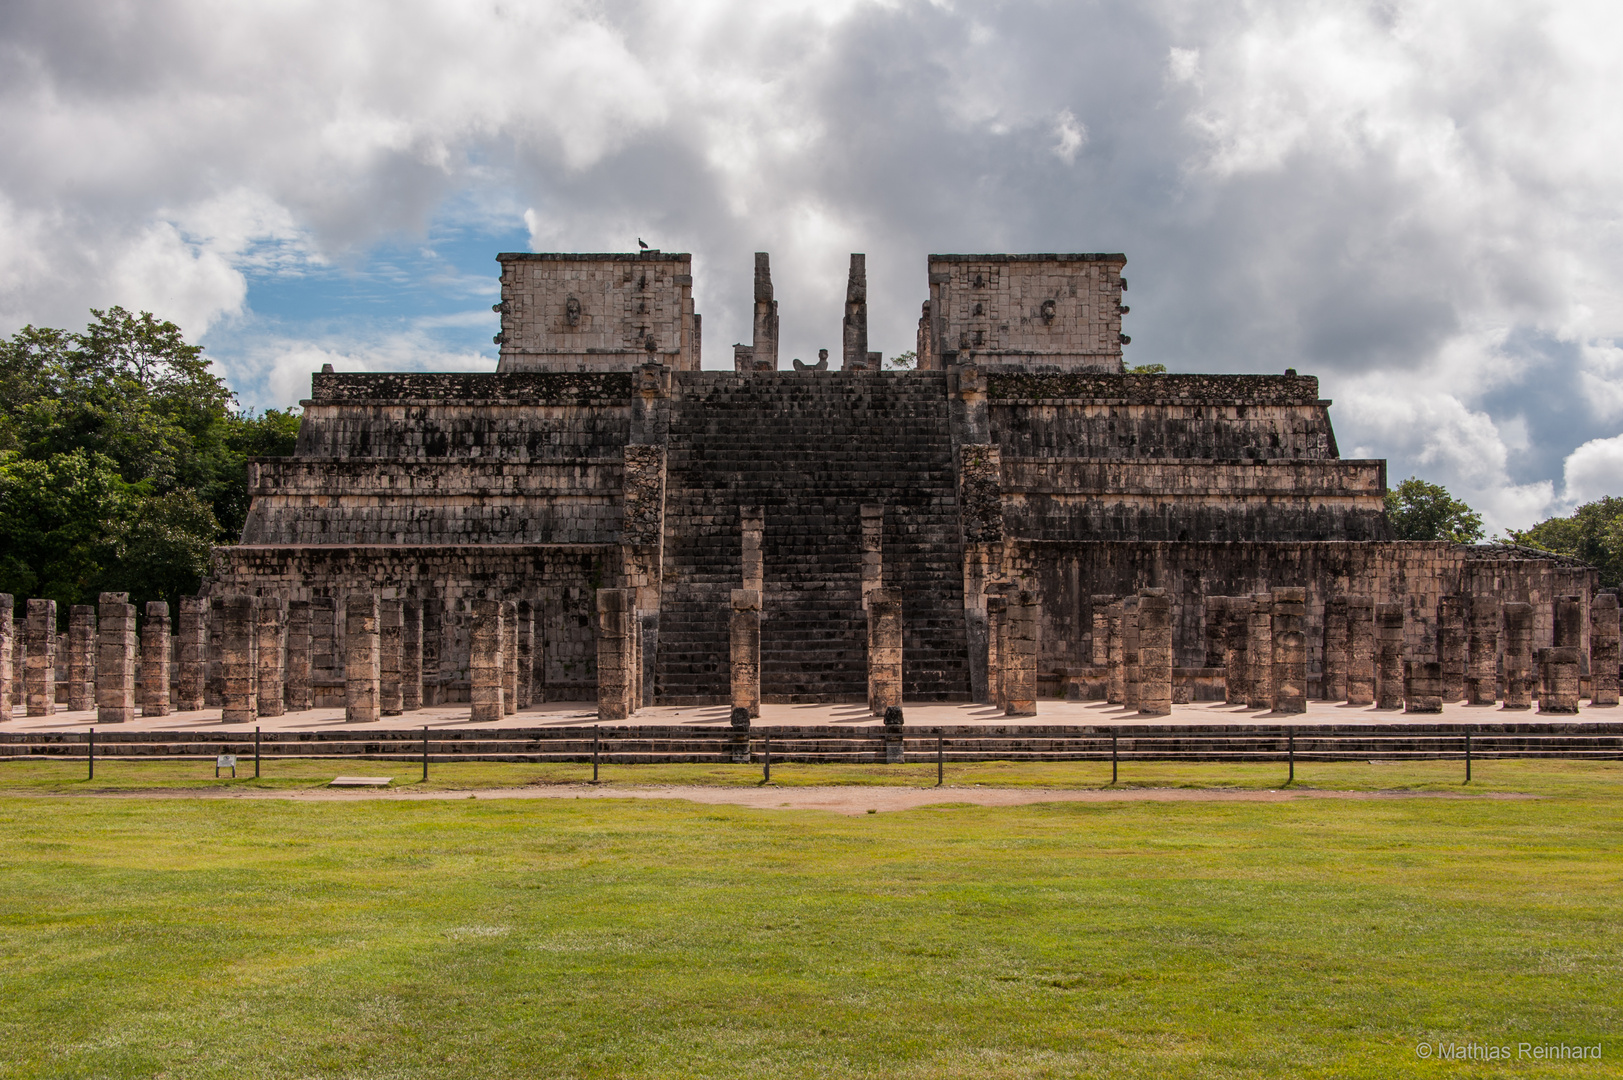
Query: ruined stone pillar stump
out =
(82, 657)
(1482, 666)
(1360, 650)
(1603, 649)
(239, 659)
(363, 659)
(1154, 653)
(744, 650)
(191, 659)
(115, 659)
(614, 662)
(1023, 619)
(1559, 667)
(155, 660)
(884, 650)
(1519, 672)
(1389, 656)
(1333, 687)
(1423, 687)
(485, 662)
(1289, 682)
(39, 676)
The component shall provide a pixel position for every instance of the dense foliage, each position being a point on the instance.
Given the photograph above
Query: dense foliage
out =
(1422, 511)
(1594, 533)
(122, 460)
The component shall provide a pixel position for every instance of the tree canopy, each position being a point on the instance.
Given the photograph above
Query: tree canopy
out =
(122, 460)
(1422, 511)
(1594, 533)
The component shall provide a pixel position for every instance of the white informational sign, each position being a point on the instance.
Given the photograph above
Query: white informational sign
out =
(225, 761)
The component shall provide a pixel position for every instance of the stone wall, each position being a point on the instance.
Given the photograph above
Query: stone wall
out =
(1038, 311)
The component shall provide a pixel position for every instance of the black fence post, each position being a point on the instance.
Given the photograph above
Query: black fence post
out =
(940, 763)
(1114, 757)
(425, 752)
(1467, 755)
(256, 753)
(766, 758)
(1290, 740)
(594, 754)
(92, 755)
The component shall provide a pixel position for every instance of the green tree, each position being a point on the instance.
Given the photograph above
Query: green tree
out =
(1148, 369)
(56, 519)
(1422, 511)
(906, 361)
(1594, 533)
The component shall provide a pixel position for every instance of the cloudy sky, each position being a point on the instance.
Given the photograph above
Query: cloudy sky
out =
(1418, 202)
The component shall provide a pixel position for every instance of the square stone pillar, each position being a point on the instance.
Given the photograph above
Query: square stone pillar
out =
(1360, 649)
(433, 642)
(1603, 649)
(1236, 640)
(115, 659)
(1024, 621)
(391, 647)
(1388, 656)
(635, 688)
(1451, 643)
(1482, 669)
(614, 664)
(1116, 652)
(1333, 687)
(1559, 693)
(509, 613)
(296, 667)
(271, 657)
(752, 527)
(1154, 653)
(873, 550)
(1216, 630)
(363, 659)
(239, 659)
(326, 650)
(8, 643)
(82, 657)
(1569, 622)
(411, 655)
(191, 653)
(485, 662)
(525, 646)
(884, 650)
(39, 675)
(997, 619)
(155, 660)
(1101, 629)
(1259, 652)
(1131, 673)
(1519, 672)
(744, 649)
(1423, 686)
(1290, 650)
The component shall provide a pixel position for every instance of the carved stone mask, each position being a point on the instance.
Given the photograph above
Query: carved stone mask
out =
(572, 311)
(1049, 310)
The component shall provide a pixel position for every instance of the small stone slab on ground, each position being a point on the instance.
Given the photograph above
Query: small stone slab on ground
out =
(361, 781)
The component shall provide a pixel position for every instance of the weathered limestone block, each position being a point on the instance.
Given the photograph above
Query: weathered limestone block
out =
(363, 659)
(1154, 652)
(1101, 629)
(1216, 630)
(1569, 622)
(82, 657)
(1259, 652)
(1423, 686)
(155, 660)
(391, 648)
(509, 612)
(485, 662)
(525, 646)
(1603, 649)
(8, 644)
(1519, 674)
(1482, 678)
(1334, 685)
(296, 680)
(997, 633)
(884, 650)
(1360, 649)
(115, 659)
(614, 662)
(269, 689)
(1236, 662)
(1451, 645)
(1024, 619)
(1131, 662)
(239, 658)
(744, 648)
(1388, 656)
(854, 336)
(1559, 666)
(1289, 683)
(191, 653)
(39, 678)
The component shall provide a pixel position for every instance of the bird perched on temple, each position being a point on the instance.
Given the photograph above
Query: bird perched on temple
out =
(640, 245)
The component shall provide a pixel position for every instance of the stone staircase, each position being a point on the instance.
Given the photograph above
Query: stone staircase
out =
(811, 448)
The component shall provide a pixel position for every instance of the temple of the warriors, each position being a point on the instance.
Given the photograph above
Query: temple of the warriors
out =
(601, 518)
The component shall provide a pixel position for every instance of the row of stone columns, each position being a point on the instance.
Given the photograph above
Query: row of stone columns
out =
(1013, 635)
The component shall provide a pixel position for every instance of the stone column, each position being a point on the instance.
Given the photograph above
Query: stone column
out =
(744, 636)
(391, 647)
(1559, 694)
(1423, 686)
(271, 661)
(752, 526)
(614, 669)
(1217, 614)
(1116, 653)
(1360, 650)
(997, 617)
(8, 642)
(1020, 662)
(239, 659)
(1518, 656)
(1451, 644)
(326, 659)
(1236, 663)
(485, 662)
(1290, 650)
(1101, 630)
(411, 655)
(509, 612)
(1259, 652)
(1482, 679)
(873, 550)
(39, 676)
(191, 641)
(636, 662)
(1603, 649)
(1388, 656)
(296, 681)
(1132, 673)
(433, 641)
(155, 660)
(884, 650)
(363, 659)
(82, 657)
(1154, 653)
(1334, 685)
(115, 659)
(526, 654)
(1569, 621)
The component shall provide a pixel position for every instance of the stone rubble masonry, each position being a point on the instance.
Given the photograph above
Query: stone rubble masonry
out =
(614, 660)
(884, 650)
(1603, 649)
(39, 679)
(854, 329)
(1482, 678)
(391, 651)
(115, 659)
(82, 657)
(191, 653)
(155, 660)
(1334, 682)
(1422, 686)
(485, 662)
(1361, 649)
(1289, 686)
(980, 493)
(8, 633)
(1132, 672)
(1154, 653)
(1259, 652)
(1389, 626)
(1236, 638)
(239, 658)
(269, 687)
(1024, 619)
(299, 695)
(1116, 646)
(1060, 311)
(509, 615)
(1519, 673)
(1559, 667)
(1451, 645)
(363, 659)
(744, 650)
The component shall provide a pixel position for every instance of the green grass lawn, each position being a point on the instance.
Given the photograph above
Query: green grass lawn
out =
(150, 936)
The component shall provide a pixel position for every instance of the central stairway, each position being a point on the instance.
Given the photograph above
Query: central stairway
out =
(811, 448)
